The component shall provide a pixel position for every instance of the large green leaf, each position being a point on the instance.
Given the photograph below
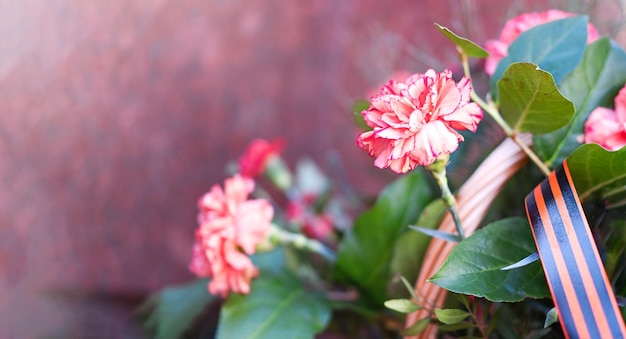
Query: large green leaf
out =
(278, 306)
(597, 172)
(467, 46)
(365, 251)
(595, 82)
(474, 265)
(173, 309)
(530, 100)
(411, 246)
(556, 47)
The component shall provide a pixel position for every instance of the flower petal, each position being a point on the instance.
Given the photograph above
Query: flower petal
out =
(434, 139)
(620, 106)
(603, 128)
(253, 222)
(466, 117)
(448, 97)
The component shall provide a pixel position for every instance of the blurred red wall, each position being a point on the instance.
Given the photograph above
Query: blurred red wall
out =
(115, 116)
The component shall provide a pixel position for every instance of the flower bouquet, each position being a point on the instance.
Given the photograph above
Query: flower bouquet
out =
(532, 244)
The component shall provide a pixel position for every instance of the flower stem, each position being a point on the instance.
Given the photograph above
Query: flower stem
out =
(492, 110)
(299, 241)
(438, 170)
(532, 155)
(449, 200)
(490, 107)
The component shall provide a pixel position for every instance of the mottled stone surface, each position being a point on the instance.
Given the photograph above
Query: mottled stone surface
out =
(115, 116)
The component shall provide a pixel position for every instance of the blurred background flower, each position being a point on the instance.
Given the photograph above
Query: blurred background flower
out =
(607, 127)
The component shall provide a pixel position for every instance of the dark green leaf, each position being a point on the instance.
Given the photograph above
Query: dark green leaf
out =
(416, 328)
(530, 100)
(551, 317)
(411, 246)
(468, 47)
(451, 316)
(614, 256)
(365, 251)
(356, 307)
(595, 82)
(556, 47)
(597, 172)
(474, 265)
(278, 306)
(402, 305)
(462, 298)
(173, 309)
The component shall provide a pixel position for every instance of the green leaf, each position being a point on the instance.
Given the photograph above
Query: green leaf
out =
(402, 305)
(365, 251)
(474, 265)
(595, 82)
(614, 255)
(174, 308)
(451, 316)
(409, 288)
(278, 306)
(551, 318)
(359, 106)
(599, 173)
(556, 47)
(468, 47)
(416, 328)
(530, 100)
(411, 246)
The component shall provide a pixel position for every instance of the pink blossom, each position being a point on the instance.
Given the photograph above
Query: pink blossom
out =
(230, 226)
(498, 49)
(318, 227)
(312, 225)
(607, 127)
(416, 121)
(259, 151)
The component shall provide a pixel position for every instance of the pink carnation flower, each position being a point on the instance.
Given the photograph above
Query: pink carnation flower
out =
(416, 121)
(259, 151)
(498, 49)
(229, 224)
(607, 127)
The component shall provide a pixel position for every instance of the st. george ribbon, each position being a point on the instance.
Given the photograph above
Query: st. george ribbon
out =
(579, 285)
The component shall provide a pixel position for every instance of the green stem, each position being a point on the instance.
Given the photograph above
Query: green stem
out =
(532, 155)
(490, 107)
(492, 110)
(299, 241)
(438, 171)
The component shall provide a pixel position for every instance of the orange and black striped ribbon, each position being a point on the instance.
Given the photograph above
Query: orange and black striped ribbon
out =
(580, 288)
